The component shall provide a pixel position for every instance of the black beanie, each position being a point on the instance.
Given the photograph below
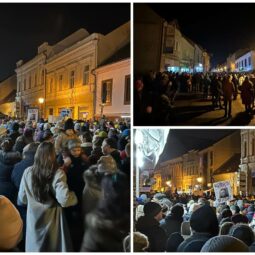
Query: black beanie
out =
(152, 208)
(177, 210)
(204, 220)
(69, 124)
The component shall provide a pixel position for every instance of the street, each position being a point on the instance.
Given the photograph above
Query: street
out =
(193, 110)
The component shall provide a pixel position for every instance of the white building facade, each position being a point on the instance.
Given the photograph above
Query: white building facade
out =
(246, 62)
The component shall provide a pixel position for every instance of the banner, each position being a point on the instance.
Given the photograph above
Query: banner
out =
(32, 114)
(223, 191)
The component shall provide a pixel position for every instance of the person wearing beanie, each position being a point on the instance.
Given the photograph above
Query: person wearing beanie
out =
(224, 244)
(96, 152)
(109, 147)
(15, 132)
(204, 225)
(225, 227)
(172, 222)
(242, 232)
(23, 140)
(149, 226)
(11, 225)
(174, 240)
(62, 139)
(239, 218)
(234, 209)
(141, 242)
(226, 216)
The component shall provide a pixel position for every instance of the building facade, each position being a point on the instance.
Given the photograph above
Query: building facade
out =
(246, 62)
(62, 74)
(199, 169)
(8, 94)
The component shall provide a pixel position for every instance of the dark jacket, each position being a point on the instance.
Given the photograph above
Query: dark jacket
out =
(156, 235)
(96, 154)
(199, 239)
(172, 224)
(104, 235)
(116, 155)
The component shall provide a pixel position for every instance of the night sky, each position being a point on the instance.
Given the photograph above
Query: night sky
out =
(23, 27)
(180, 141)
(221, 28)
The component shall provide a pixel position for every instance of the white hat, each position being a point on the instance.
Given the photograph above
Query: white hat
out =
(11, 225)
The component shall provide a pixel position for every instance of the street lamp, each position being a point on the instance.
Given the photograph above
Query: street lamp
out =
(199, 179)
(168, 183)
(41, 101)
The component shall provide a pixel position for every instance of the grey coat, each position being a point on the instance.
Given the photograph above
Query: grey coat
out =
(47, 229)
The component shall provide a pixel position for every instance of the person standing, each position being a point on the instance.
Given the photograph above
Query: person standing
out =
(247, 94)
(228, 92)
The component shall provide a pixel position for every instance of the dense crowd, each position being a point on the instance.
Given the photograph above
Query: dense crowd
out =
(155, 93)
(186, 223)
(64, 186)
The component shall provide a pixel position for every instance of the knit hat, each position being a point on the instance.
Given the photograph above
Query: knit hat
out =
(225, 227)
(224, 244)
(235, 208)
(174, 240)
(204, 220)
(15, 126)
(177, 210)
(11, 225)
(68, 124)
(239, 218)
(103, 134)
(107, 164)
(74, 143)
(242, 232)
(226, 213)
(152, 209)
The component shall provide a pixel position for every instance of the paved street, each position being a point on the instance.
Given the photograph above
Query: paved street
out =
(193, 110)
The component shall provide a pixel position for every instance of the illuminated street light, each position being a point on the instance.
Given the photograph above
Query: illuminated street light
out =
(168, 183)
(199, 179)
(41, 100)
(209, 185)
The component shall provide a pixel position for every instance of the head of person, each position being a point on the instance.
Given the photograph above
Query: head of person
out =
(11, 225)
(234, 209)
(224, 244)
(223, 193)
(225, 227)
(109, 145)
(242, 232)
(86, 137)
(43, 171)
(97, 142)
(48, 136)
(127, 150)
(154, 210)
(30, 150)
(46, 126)
(226, 213)
(7, 144)
(15, 127)
(141, 242)
(204, 220)
(107, 165)
(139, 83)
(177, 211)
(69, 127)
(174, 240)
(74, 146)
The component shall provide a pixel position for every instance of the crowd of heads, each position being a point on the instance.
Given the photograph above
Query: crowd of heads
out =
(78, 169)
(187, 223)
(155, 93)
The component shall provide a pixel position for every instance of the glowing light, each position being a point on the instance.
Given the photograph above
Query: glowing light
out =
(168, 183)
(199, 179)
(138, 137)
(41, 100)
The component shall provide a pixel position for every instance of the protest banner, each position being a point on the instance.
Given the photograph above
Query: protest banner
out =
(223, 191)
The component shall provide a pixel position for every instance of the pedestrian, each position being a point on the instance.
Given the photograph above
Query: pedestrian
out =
(247, 93)
(45, 191)
(228, 92)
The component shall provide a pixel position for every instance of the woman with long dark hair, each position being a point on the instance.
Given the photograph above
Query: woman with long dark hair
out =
(45, 191)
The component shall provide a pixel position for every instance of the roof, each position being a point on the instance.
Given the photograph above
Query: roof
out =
(121, 54)
(9, 98)
(230, 166)
(181, 141)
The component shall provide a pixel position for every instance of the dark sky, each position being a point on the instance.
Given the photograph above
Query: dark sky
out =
(23, 27)
(180, 141)
(221, 28)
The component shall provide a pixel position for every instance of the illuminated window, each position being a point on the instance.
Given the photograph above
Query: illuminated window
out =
(50, 111)
(86, 75)
(71, 85)
(107, 92)
(127, 90)
(60, 82)
(249, 59)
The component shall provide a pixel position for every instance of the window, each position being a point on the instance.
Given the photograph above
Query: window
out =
(127, 90)
(71, 80)
(25, 85)
(106, 92)
(245, 150)
(29, 83)
(50, 111)
(245, 62)
(42, 77)
(60, 82)
(249, 59)
(19, 86)
(86, 75)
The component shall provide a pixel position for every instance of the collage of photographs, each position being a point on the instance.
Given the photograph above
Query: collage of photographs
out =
(127, 127)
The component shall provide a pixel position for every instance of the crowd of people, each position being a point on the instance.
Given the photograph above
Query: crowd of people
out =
(187, 223)
(155, 93)
(64, 186)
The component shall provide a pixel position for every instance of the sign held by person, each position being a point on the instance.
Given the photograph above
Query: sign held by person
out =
(32, 114)
(223, 191)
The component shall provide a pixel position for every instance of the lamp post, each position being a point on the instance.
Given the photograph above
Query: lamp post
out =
(41, 101)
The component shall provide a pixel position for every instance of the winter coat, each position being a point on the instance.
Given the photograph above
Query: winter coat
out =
(105, 235)
(96, 154)
(156, 235)
(199, 238)
(247, 93)
(228, 90)
(46, 226)
(7, 161)
(172, 224)
(116, 155)
(21, 142)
